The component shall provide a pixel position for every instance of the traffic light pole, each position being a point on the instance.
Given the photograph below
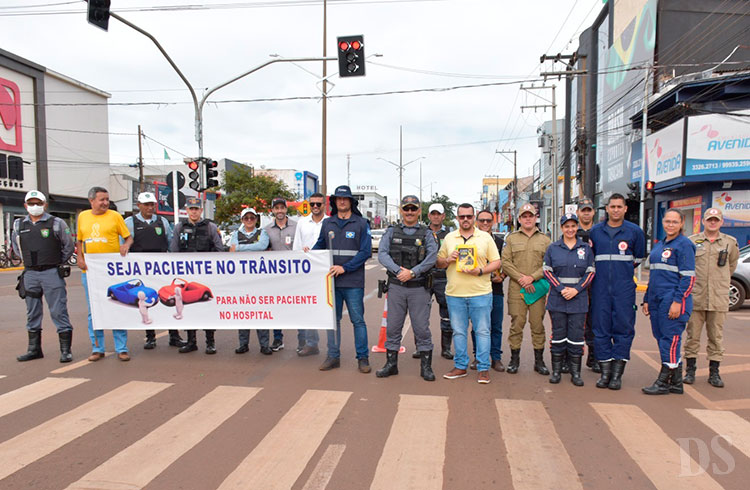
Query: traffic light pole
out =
(642, 210)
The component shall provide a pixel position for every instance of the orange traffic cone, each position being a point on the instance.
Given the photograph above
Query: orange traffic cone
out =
(383, 325)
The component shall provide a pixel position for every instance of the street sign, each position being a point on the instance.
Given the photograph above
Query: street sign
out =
(181, 199)
(180, 179)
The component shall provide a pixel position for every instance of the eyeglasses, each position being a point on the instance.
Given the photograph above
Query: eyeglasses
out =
(465, 216)
(249, 217)
(485, 220)
(316, 204)
(410, 208)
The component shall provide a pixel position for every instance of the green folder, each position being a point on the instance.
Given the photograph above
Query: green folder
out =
(541, 288)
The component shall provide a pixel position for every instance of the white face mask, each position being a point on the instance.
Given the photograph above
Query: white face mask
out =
(35, 209)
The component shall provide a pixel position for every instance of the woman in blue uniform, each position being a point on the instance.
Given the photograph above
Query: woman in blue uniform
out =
(569, 268)
(668, 301)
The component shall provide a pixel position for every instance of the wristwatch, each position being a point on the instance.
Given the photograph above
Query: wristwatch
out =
(481, 271)
(413, 275)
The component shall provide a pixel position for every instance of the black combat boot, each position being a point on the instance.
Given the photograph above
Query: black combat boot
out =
(539, 365)
(591, 361)
(618, 367)
(675, 380)
(557, 361)
(34, 351)
(391, 365)
(66, 338)
(661, 385)
(425, 368)
(150, 340)
(446, 336)
(565, 363)
(190, 345)
(515, 361)
(210, 343)
(415, 355)
(606, 375)
(690, 371)
(575, 370)
(174, 339)
(713, 374)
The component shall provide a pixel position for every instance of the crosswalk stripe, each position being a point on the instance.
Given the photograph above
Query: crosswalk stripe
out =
(38, 442)
(536, 454)
(658, 456)
(323, 471)
(414, 453)
(30, 394)
(137, 465)
(2, 376)
(279, 459)
(728, 425)
(76, 365)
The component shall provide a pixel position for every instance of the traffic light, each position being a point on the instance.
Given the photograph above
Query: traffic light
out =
(351, 51)
(211, 174)
(194, 175)
(98, 13)
(634, 191)
(650, 189)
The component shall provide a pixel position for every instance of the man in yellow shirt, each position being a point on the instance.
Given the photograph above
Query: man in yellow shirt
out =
(469, 290)
(99, 231)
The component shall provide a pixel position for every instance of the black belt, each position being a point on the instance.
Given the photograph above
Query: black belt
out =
(408, 284)
(40, 268)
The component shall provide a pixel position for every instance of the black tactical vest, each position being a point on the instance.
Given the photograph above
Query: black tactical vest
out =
(39, 245)
(195, 237)
(408, 250)
(438, 273)
(149, 237)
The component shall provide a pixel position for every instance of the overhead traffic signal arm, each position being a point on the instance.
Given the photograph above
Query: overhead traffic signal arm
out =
(351, 55)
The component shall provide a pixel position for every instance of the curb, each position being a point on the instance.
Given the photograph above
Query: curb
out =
(11, 269)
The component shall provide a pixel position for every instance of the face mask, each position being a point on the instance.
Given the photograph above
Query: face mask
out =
(35, 209)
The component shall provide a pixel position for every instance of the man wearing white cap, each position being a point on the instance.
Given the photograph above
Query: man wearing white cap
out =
(436, 215)
(45, 244)
(151, 233)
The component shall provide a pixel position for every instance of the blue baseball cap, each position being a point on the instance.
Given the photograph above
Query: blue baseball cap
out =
(567, 217)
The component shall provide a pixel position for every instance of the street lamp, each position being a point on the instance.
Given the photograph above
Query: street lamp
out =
(400, 166)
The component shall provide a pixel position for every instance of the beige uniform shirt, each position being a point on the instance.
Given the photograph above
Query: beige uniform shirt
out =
(524, 255)
(711, 290)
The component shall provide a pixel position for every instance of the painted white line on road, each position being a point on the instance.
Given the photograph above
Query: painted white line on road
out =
(323, 471)
(729, 425)
(656, 453)
(536, 455)
(414, 454)
(279, 459)
(24, 449)
(78, 364)
(137, 465)
(2, 376)
(30, 394)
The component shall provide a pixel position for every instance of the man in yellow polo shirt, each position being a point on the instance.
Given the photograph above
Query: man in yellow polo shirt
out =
(469, 290)
(99, 231)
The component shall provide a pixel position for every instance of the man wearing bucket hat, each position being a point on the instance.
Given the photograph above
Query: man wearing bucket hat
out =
(523, 257)
(347, 234)
(151, 234)
(716, 256)
(45, 244)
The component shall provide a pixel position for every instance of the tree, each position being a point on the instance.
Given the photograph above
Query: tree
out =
(449, 206)
(243, 189)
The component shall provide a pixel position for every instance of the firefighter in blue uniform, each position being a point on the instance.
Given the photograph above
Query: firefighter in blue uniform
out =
(569, 268)
(619, 247)
(668, 301)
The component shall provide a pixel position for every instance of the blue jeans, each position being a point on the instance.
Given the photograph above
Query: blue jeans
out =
(97, 336)
(477, 309)
(355, 304)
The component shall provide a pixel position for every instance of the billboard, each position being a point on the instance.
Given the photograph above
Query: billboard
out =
(664, 152)
(718, 143)
(735, 205)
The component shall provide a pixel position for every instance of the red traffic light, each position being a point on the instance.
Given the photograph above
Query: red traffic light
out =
(193, 165)
(356, 45)
(343, 45)
(649, 185)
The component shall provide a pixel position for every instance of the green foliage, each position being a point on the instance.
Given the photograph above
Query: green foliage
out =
(449, 206)
(242, 189)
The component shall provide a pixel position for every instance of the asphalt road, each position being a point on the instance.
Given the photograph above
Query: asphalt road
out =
(167, 420)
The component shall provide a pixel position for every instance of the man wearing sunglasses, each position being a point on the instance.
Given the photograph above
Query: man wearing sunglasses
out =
(308, 230)
(408, 252)
(249, 238)
(469, 291)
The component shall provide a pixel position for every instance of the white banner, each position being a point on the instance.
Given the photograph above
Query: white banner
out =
(718, 143)
(664, 152)
(241, 290)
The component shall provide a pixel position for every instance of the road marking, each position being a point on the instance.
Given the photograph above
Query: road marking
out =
(2, 376)
(137, 465)
(323, 471)
(414, 454)
(689, 390)
(536, 455)
(38, 442)
(728, 425)
(738, 404)
(30, 394)
(78, 364)
(279, 459)
(658, 456)
(725, 369)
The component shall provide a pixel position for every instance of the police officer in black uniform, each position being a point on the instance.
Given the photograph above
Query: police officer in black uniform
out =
(151, 233)
(408, 253)
(436, 214)
(586, 214)
(196, 235)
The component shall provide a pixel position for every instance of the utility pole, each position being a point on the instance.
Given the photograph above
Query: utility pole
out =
(497, 196)
(324, 135)
(420, 183)
(515, 186)
(400, 165)
(140, 160)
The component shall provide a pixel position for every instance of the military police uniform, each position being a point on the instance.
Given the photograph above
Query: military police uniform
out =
(439, 281)
(44, 246)
(411, 248)
(715, 262)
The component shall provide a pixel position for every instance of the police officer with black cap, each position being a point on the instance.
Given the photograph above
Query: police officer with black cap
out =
(151, 233)
(196, 235)
(408, 252)
(45, 244)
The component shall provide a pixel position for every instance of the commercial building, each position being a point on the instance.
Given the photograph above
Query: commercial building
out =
(301, 182)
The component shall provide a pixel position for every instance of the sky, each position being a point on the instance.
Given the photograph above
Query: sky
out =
(425, 44)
